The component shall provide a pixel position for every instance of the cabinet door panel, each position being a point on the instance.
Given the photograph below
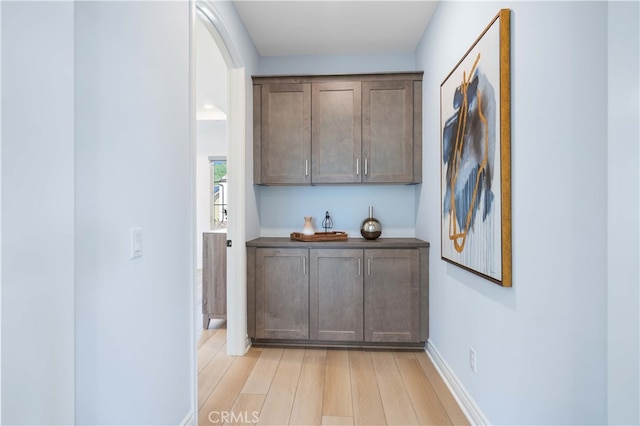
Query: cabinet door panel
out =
(214, 276)
(286, 133)
(387, 131)
(336, 132)
(282, 294)
(392, 299)
(336, 294)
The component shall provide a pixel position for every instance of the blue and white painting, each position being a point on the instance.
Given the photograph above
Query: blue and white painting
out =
(470, 169)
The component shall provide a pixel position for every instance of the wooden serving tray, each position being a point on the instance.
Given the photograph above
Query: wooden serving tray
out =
(320, 236)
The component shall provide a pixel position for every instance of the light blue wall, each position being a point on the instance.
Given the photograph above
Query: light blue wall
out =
(282, 209)
(132, 144)
(541, 345)
(37, 213)
(337, 64)
(624, 214)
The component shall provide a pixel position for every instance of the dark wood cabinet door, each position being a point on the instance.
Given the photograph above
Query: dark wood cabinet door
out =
(387, 131)
(336, 132)
(391, 295)
(286, 133)
(336, 294)
(282, 293)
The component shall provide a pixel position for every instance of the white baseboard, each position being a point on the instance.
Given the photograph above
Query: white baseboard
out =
(464, 399)
(189, 420)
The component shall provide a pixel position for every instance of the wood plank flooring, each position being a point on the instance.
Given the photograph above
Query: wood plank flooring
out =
(294, 386)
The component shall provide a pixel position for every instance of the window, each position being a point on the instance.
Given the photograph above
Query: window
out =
(218, 193)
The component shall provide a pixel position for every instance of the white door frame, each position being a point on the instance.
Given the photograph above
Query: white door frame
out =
(237, 339)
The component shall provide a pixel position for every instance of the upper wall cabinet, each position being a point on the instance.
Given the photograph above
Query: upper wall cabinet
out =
(336, 142)
(388, 143)
(286, 133)
(338, 129)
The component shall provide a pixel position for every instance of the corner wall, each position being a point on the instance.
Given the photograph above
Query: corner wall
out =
(37, 212)
(541, 345)
(623, 277)
(134, 344)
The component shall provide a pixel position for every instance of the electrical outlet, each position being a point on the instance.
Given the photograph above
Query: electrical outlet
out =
(472, 359)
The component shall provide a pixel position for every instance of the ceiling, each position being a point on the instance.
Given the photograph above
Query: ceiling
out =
(325, 27)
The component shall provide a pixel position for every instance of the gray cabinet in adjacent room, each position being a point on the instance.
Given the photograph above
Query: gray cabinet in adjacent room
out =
(214, 276)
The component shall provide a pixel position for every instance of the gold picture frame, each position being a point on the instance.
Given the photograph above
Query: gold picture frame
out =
(475, 161)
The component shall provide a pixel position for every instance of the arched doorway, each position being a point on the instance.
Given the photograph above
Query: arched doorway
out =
(237, 342)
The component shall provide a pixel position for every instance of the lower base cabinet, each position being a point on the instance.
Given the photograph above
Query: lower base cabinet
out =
(343, 294)
(282, 294)
(336, 310)
(391, 296)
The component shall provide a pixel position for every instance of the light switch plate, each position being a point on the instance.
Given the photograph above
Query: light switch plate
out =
(472, 359)
(136, 242)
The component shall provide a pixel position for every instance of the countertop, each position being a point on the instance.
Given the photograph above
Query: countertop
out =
(386, 243)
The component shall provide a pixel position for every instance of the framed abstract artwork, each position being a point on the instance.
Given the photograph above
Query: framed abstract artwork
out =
(475, 168)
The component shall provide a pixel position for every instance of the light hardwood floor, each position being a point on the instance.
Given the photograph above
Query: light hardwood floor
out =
(294, 386)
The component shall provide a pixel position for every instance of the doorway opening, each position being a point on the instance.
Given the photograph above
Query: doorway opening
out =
(206, 16)
(211, 107)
